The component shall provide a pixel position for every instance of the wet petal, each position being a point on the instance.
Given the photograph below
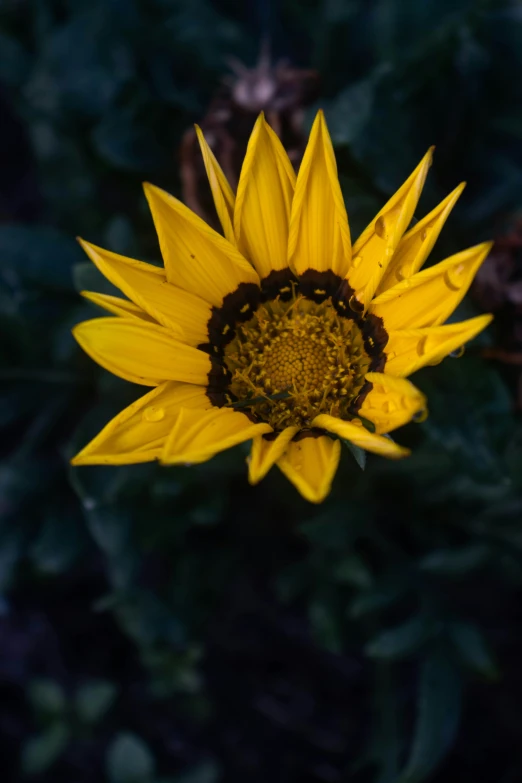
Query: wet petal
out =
(197, 436)
(391, 402)
(415, 246)
(141, 352)
(147, 286)
(375, 247)
(360, 436)
(221, 191)
(310, 464)
(319, 233)
(196, 257)
(408, 350)
(117, 306)
(264, 200)
(139, 433)
(265, 453)
(429, 297)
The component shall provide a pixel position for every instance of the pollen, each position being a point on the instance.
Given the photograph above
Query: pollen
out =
(294, 360)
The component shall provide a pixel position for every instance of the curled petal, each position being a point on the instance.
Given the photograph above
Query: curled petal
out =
(391, 402)
(360, 436)
(311, 464)
(265, 453)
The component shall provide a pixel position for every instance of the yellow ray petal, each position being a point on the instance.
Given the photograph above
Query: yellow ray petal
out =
(319, 233)
(147, 286)
(264, 200)
(408, 350)
(221, 191)
(429, 297)
(197, 436)
(311, 464)
(141, 352)
(139, 433)
(391, 402)
(375, 247)
(415, 246)
(360, 436)
(117, 306)
(196, 257)
(265, 453)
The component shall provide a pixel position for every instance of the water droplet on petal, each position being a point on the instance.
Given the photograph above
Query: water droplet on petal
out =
(400, 272)
(458, 352)
(380, 227)
(357, 422)
(454, 277)
(153, 413)
(389, 406)
(391, 355)
(355, 304)
(422, 346)
(356, 261)
(424, 235)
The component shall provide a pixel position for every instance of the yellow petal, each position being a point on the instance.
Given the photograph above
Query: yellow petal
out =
(147, 286)
(196, 257)
(391, 402)
(117, 306)
(197, 436)
(221, 191)
(429, 297)
(415, 246)
(360, 436)
(141, 352)
(319, 233)
(265, 453)
(139, 433)
(375, 247)
(310, 464)
(264, 200)
(408, 350)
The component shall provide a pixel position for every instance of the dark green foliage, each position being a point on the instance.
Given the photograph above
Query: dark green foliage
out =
(176, 625)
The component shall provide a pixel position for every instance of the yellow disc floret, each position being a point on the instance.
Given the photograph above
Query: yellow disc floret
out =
(294, 360)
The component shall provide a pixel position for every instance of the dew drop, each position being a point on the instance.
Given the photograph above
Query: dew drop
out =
(356, 261)
(391, 355)
(454, 277)
(424, 235)
(380, 227)
(153, 413)
(458, 352)
(400, 273)
(422, 346)
(355, 304)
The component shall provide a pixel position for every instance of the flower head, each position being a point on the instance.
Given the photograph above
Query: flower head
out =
(280, 331)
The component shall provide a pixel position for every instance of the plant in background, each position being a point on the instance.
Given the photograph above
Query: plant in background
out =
(279, 331)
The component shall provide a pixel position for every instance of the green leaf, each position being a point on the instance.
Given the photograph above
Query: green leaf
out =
(94, 699)
(129, 760)
(206, 772)
(38, 255)
(402, 640)
(439, 704)
(453, 562)
(358, 453)
(473, 650)
(354, 571)
(41, 751)
(47, 697)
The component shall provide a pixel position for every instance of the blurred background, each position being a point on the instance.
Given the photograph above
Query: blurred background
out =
(176, 625)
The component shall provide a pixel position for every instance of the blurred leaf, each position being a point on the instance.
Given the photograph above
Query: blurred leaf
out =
(353, 570)
(402, 640)
(14, 60)
(439, 704)
(358, 454)
(453, 562)
(473, 650)
(325, 624)
(40, 752)
(206, 772)
(87, 277)
(93, 699)
(47, 697)
(129, 760)
(38, 255)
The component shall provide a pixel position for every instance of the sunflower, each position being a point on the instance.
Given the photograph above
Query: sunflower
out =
(279, 331)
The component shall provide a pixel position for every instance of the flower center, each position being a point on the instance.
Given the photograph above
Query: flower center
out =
(294, 360)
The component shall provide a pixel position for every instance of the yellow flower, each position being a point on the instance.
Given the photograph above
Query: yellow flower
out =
(279, 332)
